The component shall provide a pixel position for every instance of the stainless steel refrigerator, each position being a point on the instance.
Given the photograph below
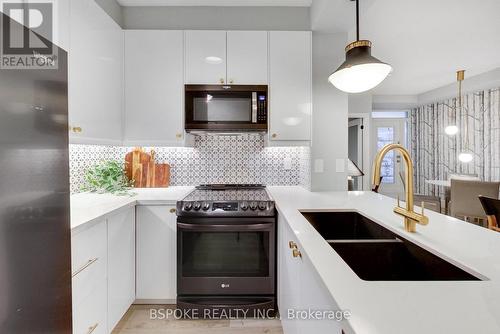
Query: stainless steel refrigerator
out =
(35, 250)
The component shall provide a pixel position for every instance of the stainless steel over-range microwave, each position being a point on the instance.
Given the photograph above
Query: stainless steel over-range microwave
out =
(226, 108)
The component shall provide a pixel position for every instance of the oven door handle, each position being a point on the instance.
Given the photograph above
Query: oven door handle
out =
(215, 227)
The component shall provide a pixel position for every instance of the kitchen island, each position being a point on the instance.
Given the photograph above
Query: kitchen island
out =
(373, 306)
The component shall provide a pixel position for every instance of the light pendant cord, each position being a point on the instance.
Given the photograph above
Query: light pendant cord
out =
(357, 20)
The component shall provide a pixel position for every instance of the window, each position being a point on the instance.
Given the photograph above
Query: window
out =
(385, 135)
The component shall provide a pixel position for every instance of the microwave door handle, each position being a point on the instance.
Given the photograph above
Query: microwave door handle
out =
(254, 107)
(218, 227)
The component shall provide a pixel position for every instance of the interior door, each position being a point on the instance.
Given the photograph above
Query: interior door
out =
(388, 131)
(355, 151)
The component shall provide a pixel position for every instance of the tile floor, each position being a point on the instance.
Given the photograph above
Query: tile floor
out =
(137, 321)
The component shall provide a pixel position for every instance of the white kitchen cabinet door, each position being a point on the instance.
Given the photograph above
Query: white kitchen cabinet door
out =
(247, 57)
(289, 277)
(205, 53)
(290, 85)
(314, 295)
(121, 265)
(89, 282)
(154, 87)
(95, 80)
(156, 253)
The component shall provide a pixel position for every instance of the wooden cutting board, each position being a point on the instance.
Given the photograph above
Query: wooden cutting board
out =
(146, 173)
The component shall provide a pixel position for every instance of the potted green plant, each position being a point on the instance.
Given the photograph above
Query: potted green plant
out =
(108, 177)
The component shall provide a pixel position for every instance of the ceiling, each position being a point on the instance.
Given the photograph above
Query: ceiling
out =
(300, 3)
(427, 41)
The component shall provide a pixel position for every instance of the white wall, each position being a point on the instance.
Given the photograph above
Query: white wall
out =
(360, 103)
(330, 113)
(217, 18)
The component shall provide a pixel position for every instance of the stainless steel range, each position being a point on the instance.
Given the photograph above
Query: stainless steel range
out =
(226, 250)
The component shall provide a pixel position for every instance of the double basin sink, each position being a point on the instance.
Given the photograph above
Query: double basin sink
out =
(376, 254)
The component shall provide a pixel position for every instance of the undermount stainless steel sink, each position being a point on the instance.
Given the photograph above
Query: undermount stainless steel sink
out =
(376, 254)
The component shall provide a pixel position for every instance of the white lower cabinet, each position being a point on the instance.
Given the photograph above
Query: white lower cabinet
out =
(156, 253)
(89, 282)
(121, 265)
(103, 270)
(301, 289)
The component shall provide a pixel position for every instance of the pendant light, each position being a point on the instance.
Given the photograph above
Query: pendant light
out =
(452, 128)
(466, 155)
(360, 71)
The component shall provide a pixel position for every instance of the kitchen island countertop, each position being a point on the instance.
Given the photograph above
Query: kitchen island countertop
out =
(403, 307)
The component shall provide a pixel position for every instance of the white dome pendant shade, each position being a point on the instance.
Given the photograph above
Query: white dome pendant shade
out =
(360, 71)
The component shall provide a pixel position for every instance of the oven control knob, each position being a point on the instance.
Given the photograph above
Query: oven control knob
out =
(253, 205)
(262, 206)
(205, 206)
(188, 206)
(244, 206)
(197, 206)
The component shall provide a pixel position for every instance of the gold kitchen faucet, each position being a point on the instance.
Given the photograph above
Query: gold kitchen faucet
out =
(411, 218)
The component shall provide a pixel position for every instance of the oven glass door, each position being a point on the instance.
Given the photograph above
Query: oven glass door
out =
(225, 254)
(236, 253)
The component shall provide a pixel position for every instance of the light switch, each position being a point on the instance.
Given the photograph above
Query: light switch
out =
(287, 163)
(339, 165)
(319, 166)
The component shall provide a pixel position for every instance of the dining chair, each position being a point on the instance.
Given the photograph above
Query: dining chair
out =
(465, 203)
(430, 202)
(491, 207)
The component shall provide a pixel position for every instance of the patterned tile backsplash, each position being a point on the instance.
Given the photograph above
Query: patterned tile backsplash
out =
(213, 159)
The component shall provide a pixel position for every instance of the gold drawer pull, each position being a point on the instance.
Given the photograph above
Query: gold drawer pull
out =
(92, 328)
(296, 253)
(172, 210)
(274, 135)
(292, 245)
(77, 129)
(85, 266)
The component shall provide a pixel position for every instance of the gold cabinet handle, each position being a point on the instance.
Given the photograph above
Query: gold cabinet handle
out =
(231, 81)
(221, 80)
(292, 245)
(92, 328)
(172, 210)
(178, 135)
(76, 129)
(274, 135)
(85, 266)
(296, 253)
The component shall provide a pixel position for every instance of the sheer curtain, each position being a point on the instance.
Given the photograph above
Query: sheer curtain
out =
(435, 154)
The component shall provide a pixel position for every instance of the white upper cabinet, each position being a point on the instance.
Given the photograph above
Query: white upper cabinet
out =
(205, 57)
(290, 80)
(247, 57)
(95, 75)
(154, 87)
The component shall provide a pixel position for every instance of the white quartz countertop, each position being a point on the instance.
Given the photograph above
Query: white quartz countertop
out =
(89, 207)
(403, 307)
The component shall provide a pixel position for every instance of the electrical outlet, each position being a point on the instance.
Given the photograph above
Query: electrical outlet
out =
(319, 166)
(287, 163)
(340, 165)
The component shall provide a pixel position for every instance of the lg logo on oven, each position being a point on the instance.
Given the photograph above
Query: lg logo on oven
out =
(224, 285)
